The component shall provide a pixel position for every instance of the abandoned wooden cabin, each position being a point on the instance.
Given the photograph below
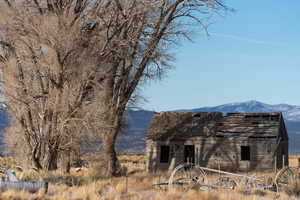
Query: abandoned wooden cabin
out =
(235, 142)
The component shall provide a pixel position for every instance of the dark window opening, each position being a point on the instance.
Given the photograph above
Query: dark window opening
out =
(189, 153)
(164, 153)
(197, 115)
(245, 153)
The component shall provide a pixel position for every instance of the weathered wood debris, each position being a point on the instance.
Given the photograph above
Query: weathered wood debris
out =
(14, 183)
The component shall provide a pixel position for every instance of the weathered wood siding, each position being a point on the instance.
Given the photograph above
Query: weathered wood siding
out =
(223, 153)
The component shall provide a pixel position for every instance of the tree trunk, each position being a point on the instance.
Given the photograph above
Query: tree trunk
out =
(51, 159)
(109, 155)
(66, 161)
(35, 157)
(112, 118)
(36, 163)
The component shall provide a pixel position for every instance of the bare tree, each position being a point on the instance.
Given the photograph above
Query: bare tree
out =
(138, 37)
(96, 50)
(44, 84)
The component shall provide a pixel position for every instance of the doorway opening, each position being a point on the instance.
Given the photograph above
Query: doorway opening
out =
(245, 153)
(189, 153)
(164, 154)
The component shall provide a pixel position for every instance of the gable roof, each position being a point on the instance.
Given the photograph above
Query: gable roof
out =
(253, 125)
(182, 125)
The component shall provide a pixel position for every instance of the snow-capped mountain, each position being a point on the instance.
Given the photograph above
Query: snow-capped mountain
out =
(290, 112)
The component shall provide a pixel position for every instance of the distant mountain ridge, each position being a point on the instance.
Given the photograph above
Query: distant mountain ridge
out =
(290, 112)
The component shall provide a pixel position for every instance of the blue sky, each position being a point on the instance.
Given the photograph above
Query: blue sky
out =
(251, 54)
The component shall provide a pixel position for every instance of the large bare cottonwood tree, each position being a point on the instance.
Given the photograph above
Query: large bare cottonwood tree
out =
(114, 44)
(44, 83)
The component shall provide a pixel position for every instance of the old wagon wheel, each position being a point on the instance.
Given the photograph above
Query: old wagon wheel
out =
(296, 171)
(188, 176)
(284, 177)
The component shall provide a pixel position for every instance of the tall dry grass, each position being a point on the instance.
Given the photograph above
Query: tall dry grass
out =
(137, 185)
(293, 160)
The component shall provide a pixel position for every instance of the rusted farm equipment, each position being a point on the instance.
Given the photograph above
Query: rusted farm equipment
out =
(13, 183)
(187, 176)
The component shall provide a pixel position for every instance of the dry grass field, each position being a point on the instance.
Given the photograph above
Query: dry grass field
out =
(293, 160)
(137, 185)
